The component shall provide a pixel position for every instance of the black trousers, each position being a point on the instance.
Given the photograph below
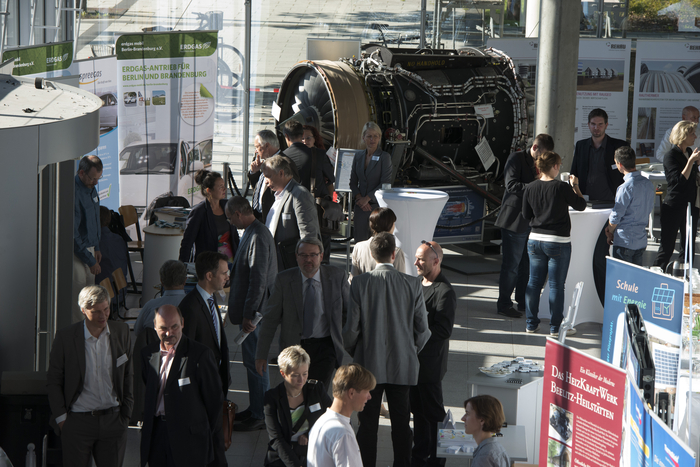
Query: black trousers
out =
(428, 411)
(399, 412)
(600, 252)
(323, 359)
(160, 454)
(673, 220)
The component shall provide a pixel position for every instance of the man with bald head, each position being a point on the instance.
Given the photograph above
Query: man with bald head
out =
(688, 113)
(426, 396)
(183, 403)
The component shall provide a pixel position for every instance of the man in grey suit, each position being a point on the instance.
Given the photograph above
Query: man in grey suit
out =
(386, 328)
(90, 384)
(254, 271)
(292, 215)
(310, 313)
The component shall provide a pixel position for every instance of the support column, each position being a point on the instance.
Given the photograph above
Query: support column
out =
(555, 108)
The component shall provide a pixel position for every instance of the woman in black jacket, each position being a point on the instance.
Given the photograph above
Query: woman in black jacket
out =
(292, 408)
(681, 173)
(207, 227)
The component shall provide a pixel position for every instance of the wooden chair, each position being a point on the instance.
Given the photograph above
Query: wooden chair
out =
(120, 284)
(107, 284)
(130, 217)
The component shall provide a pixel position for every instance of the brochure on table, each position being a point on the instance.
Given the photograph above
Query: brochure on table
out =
(666, 80)
(99, 76)
(660, 301)
(602, 78)
(166, 88)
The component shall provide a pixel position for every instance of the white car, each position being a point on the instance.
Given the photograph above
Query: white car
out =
(108, 111)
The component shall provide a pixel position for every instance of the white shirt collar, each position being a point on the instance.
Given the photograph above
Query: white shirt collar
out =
(316, 277)
(205, 295)
(86, 331)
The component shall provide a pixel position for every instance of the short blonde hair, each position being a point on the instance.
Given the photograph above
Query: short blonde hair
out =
(371, 126)
(681, 131)
(352, 376)
(92, 295)
(293, 357)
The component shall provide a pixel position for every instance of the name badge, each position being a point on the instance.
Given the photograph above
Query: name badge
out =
(315, 408)
(375, 158)
(287, 217)
(183, 381)
(96, 199)
(122, 360)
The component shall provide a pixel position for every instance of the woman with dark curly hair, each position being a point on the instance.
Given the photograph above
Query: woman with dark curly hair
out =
(312, 138)
(207, 227)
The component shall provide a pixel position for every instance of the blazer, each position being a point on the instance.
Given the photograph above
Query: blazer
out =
(363, 262)
(200, 327)
(200, 230)
(387, 324)
(253, 273)
(300, 154)
(297, 217)
(518, 172)
(268, 198)
(278, 421)
(441, 303)
(193, 403)
(680, 191)
(285, 307)
(579, 166)
(66, 373)
(366, 182)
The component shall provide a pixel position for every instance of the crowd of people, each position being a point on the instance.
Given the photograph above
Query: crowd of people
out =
(536, 226)
(395, 328)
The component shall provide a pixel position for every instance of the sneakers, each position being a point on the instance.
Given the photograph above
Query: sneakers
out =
(554, 331)
(532, 329)
(510, 313)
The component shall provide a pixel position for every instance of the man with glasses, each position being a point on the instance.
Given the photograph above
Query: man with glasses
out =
(200, 311)
(309, 303)
(86, 229)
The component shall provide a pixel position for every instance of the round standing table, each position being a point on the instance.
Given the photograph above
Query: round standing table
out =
(160, 245)
(417, 212)
(585, 229)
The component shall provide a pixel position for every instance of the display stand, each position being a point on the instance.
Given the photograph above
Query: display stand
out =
(417, 212)
(160, 245)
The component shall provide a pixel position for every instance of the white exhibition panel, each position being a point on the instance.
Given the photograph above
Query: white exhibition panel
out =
(585, 229)
(417, 212)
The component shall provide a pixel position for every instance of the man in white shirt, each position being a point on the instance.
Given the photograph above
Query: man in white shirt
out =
(89, 384)
(332, 441)
(689, 113)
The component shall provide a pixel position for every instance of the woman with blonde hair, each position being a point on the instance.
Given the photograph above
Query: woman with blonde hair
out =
(370, 169)
(292, 408)
(680, 167)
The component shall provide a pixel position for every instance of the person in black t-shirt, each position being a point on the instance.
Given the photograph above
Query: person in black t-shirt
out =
(546, 205)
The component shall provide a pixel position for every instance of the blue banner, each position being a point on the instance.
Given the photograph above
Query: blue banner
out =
(660, 301)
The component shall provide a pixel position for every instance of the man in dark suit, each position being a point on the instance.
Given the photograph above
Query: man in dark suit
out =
(298, 152)
(254, 271)
(293, 214)
(515, 267)
(200, 310)
(183, 405)
(426, 396)
(309, 302)
(266, 145)
(90, 384)
(594, 165)
(387, 326)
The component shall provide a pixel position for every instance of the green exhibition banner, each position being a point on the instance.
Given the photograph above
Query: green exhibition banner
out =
(166, 83)
(46, 60)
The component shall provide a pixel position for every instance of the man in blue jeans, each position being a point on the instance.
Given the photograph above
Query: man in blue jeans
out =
(634, 201)
(518, 172)
(254, 271)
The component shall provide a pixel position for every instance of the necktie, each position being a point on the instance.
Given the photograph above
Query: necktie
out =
(256, 194)
(160, 408)
(215, 320)
(309, 308)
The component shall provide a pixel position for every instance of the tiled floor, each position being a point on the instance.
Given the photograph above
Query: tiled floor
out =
(480, 337)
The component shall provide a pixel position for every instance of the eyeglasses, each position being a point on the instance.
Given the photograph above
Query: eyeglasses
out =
(423, 242)
(309, 256)
(93, 179)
